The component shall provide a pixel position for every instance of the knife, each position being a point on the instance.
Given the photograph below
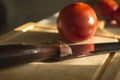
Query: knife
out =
(18, 54)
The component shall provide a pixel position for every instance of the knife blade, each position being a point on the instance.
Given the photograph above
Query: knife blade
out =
(18, 54)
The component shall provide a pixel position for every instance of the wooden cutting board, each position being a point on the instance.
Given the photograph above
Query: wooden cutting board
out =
(85, 68)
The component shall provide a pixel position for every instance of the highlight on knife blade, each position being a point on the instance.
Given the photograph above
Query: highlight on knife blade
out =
(74, 50)
(82, 49)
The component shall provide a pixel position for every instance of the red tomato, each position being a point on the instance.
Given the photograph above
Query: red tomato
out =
(83, 49)
(116, 16)
(77, 22)
(106, 8)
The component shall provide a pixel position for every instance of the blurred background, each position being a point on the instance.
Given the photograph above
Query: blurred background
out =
(14, 13)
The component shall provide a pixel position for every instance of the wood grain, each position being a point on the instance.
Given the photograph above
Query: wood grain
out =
(85, 68)
(73, 69)
(35, 33)
(112, 70)
(117, 76)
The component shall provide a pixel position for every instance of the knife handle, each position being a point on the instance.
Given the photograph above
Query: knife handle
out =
(17, 54)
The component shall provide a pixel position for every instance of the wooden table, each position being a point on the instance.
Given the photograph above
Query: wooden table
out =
(99, 67)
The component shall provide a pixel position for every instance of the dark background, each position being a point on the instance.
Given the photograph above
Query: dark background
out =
(14, 13)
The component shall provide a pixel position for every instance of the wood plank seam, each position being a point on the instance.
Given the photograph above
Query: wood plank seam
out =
(113, 68)
(99, 73)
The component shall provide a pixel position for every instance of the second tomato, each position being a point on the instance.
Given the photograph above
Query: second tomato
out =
(106, 8)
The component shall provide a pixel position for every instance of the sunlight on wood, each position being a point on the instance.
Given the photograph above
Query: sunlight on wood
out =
(77, 67)
(86, 61)
(28, 28)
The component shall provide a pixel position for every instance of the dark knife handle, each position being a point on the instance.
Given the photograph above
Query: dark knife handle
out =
(17, 54)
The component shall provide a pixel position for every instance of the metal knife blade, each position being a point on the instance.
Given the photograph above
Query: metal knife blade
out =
(17, 54)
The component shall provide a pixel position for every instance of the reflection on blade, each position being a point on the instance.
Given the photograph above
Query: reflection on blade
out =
(107, 47)
(93, 49)
(83, 49)
(11, 55)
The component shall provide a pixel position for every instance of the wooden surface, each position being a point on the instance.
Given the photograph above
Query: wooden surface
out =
(99, 67)
(112, 71)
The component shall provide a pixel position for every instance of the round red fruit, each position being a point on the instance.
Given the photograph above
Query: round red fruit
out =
(116, 16)
(106, 8)
(77, 22)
